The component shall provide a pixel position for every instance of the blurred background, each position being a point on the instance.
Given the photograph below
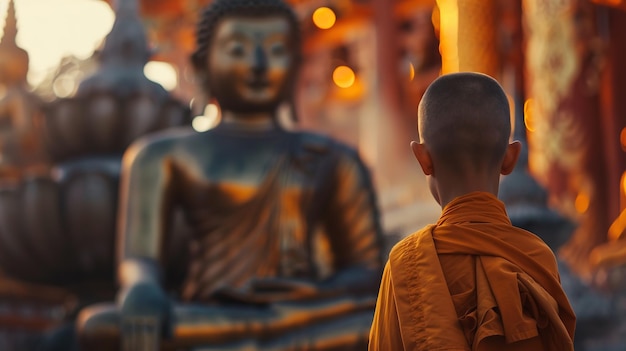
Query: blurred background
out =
(366, 66)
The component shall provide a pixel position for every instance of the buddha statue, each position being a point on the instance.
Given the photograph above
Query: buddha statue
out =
(285, 246)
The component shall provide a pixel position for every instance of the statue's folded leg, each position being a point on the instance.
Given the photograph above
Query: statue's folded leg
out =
(98, 327)
(345, 333)
(333, 324)
(314, 325)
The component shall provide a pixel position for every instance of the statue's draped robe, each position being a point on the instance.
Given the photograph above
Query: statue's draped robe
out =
(275, 204)
(260, 205)
(472, 282)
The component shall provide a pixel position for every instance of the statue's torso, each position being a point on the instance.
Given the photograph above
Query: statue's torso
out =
(256, 203)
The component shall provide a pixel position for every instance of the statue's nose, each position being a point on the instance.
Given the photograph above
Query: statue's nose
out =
(260, 60)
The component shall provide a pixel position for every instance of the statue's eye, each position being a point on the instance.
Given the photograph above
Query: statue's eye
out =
(236, 49)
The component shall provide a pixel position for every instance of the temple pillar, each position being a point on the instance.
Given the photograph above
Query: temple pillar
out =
(562, 109)
(609, 258)
(392, 153)
(469, 36)
(613, 106)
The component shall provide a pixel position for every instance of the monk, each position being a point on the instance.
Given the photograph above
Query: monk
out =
(471, 281)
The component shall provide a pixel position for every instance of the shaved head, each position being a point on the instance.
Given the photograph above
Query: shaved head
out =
(464, 122)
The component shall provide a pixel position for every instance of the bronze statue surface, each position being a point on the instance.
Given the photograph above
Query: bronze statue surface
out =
(285, 249)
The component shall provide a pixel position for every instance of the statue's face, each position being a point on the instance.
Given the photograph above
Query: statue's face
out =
(249, 63)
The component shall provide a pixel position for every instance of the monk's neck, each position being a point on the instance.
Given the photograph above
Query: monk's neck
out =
(250, 122)
(450, 189)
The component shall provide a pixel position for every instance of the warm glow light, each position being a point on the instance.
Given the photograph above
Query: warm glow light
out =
(528, 115)
(411, 71)
(609, 2)
(344, 76)
(449, 28)
(617, 227)
(52, 29)
(622, 139)
(582, 203)
(207, 121)
(162, 73)
(511, 113)
(324, 18)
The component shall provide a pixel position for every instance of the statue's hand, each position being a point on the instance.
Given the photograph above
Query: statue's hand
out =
(271, 290)
(145, 316)
(293, 289)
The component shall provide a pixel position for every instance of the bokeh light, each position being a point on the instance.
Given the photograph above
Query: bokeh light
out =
(344, 76)
(582, 202)
(622, 139)
(208, 120)
(324, 18)
(411, 71)
(528, 115)
(619, 225)
(162, 73)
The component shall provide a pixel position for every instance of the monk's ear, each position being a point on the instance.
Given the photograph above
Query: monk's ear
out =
(510, 157)
(423, 157)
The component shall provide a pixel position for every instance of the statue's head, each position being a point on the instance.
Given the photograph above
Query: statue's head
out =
(248, 53)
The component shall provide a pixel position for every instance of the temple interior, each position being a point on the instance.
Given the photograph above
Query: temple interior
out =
(365, 65)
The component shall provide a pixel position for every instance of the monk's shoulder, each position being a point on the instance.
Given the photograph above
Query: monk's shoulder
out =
(406, 249)
(534, 246)
(529, 238)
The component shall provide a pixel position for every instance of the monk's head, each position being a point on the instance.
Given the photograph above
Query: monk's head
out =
(247, 53)
(464, 128)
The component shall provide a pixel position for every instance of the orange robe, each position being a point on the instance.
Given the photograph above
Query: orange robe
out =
(472, 281)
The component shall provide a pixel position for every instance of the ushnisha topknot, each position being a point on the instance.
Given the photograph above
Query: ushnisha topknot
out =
(465, 121)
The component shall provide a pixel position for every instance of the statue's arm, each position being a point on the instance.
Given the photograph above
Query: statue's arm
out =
(144, 211)
(354, 228)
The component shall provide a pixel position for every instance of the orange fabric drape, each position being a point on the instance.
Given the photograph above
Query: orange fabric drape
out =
(515, 293)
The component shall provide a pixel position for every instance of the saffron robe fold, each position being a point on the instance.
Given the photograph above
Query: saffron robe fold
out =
(470, 277)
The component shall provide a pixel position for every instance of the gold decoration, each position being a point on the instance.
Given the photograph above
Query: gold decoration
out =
(553, 65)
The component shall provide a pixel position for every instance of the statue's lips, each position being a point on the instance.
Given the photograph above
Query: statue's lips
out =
(258, 84)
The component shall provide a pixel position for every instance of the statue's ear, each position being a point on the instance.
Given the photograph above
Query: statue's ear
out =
(203, 91)
(201, 74)
(292, 110)
(196, 62)
(201, 99)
